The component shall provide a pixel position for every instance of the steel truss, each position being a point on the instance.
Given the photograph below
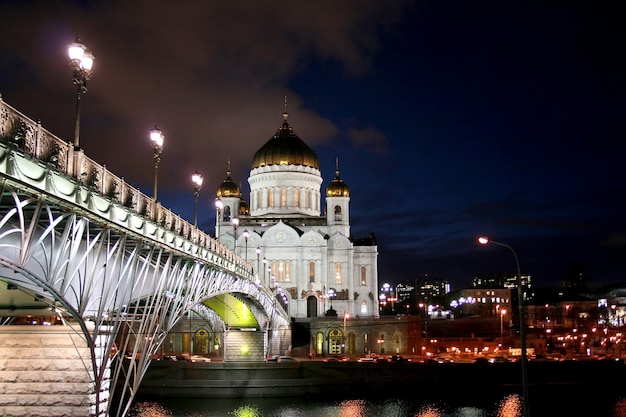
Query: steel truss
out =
(122, 277)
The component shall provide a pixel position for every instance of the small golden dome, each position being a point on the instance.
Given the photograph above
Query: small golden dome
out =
(337, 188)
(285, 148)
(244, 208)
(228, 188)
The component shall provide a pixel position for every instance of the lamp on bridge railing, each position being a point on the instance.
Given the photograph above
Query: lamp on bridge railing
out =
(235, 222)
(258, 258)
(522, 323)
(219, 205)
(81, 61)
(157, 138)
(196, 179)
(246, 236)
(265, 269)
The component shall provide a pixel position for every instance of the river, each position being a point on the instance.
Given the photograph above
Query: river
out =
(560, 402)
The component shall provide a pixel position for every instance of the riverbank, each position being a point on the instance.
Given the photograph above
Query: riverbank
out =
(342, 379)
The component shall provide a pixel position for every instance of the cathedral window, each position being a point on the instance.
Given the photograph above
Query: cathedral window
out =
(363, 307)
(259, 198)
(283, 197)
(226, 215)
(363, 276)
(311, 271)
(287, 271)
(338, 273)
(337, 213)
(296, 197)
(270, 198)
(281, 271)
(308, 199)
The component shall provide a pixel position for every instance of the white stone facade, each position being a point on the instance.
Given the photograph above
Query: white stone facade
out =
(309, 254)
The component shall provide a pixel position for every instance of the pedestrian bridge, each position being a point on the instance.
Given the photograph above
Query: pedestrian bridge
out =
(112, 272)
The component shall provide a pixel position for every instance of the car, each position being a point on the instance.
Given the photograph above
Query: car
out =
(286, 359)
(398, 358)
(443, 360)
(498, 359)
(199, 358)
(337, 359)
(367, 359)
(481, 359)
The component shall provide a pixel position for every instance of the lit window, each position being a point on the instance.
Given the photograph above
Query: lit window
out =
(311, 271)
(283, 197)
(363, 276)
(338, 273)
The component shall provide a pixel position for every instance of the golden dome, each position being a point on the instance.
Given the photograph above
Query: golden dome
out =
(244, 208)
(337, 188)
(285, 148)
(228, 188)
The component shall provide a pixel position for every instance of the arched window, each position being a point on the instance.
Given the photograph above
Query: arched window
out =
(363, 307)
(363, 276)
(270, 198)
(226, 215)
(283, 197)
(338, 273)
(337, 213)
(308, 199)
(259, 198)
(319, 343)
(311, 271)
(296, 197)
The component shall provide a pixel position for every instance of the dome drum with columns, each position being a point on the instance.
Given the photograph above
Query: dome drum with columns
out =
(309, 258)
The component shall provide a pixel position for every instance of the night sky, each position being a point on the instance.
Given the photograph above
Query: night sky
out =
(450, 119)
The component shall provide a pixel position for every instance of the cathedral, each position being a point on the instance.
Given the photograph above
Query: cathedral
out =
(299, 244)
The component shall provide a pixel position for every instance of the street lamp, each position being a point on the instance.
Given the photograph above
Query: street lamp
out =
(235, 222)
(265, 269)
(219, 205)
(258, 254)
(246, 236)
(197, 180)
(346, 316)
(502, 313)
(522, 323)
(157, 138)
(81, 61)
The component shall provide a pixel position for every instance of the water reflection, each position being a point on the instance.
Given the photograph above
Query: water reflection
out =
(508, 406)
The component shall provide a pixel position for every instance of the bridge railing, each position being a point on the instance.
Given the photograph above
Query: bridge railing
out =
(31, 138)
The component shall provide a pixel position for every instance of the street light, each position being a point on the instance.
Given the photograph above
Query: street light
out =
(219, 205)
(235, 222)
(157, 138)
(258, 254)
(81, 61)
(346, 316)
(502, 313)
(522, 323)
(196, 179)
(246, 236)
(265, 269)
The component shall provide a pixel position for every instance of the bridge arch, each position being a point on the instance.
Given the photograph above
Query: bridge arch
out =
(107, 259)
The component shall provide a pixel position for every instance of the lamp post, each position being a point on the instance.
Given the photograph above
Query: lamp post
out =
(522, 323)
(265, 269)
(81, 61)
(157, 138)
(258, 258)
(219, 205)
(346, 316)
(235, 222)
(196, 179)
(246, 236)
(502, 313)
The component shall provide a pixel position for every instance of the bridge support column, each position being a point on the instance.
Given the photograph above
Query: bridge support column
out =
(47, 371)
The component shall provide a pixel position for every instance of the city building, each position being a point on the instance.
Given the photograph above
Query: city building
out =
(296, 239)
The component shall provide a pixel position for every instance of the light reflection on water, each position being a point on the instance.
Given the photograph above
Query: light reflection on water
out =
(510, 406)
